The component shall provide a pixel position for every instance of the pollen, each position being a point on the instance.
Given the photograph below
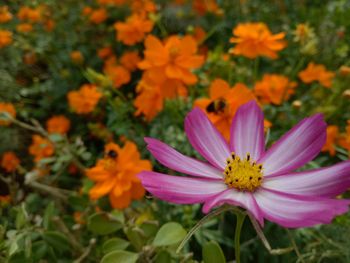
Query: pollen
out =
(243, 174)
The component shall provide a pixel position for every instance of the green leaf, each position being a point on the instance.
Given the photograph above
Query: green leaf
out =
(212, 253)
(120, 256)
(39, 250)
(103, 224)
(136, 237)
(163, 256)
(114, 244)
(57, 241)
(49, 212)
(169, 234)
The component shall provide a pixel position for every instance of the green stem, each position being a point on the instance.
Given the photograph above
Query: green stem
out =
(240, 221)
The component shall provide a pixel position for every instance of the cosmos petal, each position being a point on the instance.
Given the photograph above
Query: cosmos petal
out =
(236, 198)
(327, 182)
(171, 158)
(206, 139)
(247, 131)
(295, 211)
(297, 147)
(179, 189)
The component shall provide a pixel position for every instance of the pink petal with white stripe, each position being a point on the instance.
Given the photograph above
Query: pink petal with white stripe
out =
(179, 189)
(326, 182)
(298, 211)
(297, 147)
(206, 139)
(247, 131)
(171, 158)
(233, 197)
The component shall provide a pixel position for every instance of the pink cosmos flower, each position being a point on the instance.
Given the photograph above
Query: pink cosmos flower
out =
(243, 174)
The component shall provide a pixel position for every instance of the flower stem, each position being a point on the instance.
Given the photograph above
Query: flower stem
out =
(240, 221)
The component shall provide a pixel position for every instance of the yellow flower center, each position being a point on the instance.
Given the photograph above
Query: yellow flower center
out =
(243, 174)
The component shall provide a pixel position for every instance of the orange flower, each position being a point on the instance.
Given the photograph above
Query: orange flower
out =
(9, 162)
(344, 71)
(9, 109)
(29, 58)
(85, 99)
(149, 101)
(255, 39)
(5, 199)
(317, 72)
(5, 38)
(174, 59)
(116, 73)
(274, 89)
(76, 57)
(130, 60)
(58, 124)
(344, 139)
(133, 30)
(5, 15)
(40, 148)
(111, 2)
(30, 14)
(105, 52)
(332, 135)
(24, 28)
(115, 175)
(49, 25)
(143, 6)
(199, 34)
(223, 103)
(153, 91)
(87, 10)
(207, 6)
(98, 16)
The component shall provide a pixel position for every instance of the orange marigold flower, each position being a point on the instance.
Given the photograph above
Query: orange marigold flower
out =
(255, 39)
(86, 10)
(85, 99)
(116, 73)
(223, 103)
(5, 38)
(207, 6)
(332, 136)
(5, 14)
(130, 60)
(9, 162)
(143, 6)
(40, 148)
(49, 25)
(111, 2)
(32, 15)
(317, 72)
(98, 16)
(58, 124)
(105, 52)
(9, 109)
(199, 34)
(344, 138)
(24, 28)
(174, 59)
(76, 57)
(274, 89)
(115, 175)
(149, 100)
(133, 30)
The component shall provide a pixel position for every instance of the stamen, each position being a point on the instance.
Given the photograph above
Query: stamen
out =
(243, 174)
